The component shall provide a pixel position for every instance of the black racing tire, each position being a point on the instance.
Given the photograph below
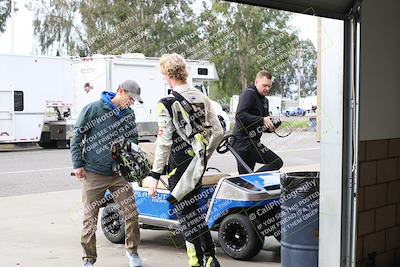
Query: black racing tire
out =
(113, 224)
(238, 237)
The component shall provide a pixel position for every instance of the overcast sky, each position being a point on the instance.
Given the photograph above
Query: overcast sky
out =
(23, 32)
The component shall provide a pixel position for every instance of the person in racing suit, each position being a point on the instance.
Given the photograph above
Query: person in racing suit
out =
(189, 131)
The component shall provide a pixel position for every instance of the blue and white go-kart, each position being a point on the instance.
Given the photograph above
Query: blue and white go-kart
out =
(238, 207)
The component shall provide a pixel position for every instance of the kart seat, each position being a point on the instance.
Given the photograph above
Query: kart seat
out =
(209, 178)
(213, 178)
(149, 149)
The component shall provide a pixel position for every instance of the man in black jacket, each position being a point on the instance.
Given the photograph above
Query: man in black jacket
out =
(252, 119)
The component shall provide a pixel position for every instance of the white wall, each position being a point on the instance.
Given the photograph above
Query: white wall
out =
(379, 70)
(331, 142)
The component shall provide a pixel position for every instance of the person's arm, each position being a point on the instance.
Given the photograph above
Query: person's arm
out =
(76, 143)
(266, 105)
(247, 120)
(217, 132)
(163, 146)
(267, 120)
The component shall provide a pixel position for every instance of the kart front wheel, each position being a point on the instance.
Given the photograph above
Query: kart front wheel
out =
(112, 224)
(238, 238)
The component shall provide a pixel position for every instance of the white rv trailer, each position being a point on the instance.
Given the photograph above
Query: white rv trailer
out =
(275, 105)
(27, 85)
(80, 81)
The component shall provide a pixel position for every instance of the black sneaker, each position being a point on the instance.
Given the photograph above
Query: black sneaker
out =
(211, 262)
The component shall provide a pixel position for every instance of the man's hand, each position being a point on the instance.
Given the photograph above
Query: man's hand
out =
(152, 185)
(80, 174)
(268, 124)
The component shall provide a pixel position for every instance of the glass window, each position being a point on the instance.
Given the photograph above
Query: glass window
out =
(18, 101)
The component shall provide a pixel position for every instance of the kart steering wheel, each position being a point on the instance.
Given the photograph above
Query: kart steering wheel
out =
(227, 140)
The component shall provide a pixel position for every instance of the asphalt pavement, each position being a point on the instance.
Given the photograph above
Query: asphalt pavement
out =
(48, 170)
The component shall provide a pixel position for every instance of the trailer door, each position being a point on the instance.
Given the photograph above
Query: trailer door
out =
(6, 115)
(152, 90)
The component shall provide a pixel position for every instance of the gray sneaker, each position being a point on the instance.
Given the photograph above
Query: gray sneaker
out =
(134, 260)
(87, 264)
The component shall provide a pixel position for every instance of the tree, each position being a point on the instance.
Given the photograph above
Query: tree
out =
(54, 26)
(254, 34)
(157, 26)
(5, 12)
(116, 27)
(308, 84)
(240, 39)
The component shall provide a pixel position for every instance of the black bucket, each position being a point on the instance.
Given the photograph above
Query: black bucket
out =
(299, 219)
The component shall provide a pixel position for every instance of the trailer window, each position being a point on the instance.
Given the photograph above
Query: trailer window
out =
(202, 71)
(18, 101)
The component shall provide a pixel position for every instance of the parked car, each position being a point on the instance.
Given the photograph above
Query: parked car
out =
(294, 112)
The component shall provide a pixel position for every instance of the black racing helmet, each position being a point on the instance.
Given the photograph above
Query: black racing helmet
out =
(130, 161)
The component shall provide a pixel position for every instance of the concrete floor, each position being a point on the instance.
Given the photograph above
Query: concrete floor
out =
(43, 230)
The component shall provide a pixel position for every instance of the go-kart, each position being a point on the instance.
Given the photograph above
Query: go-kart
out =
(242, 208)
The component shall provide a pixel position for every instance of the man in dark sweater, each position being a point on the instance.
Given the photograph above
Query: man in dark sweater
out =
(252, 119)
(98, 126)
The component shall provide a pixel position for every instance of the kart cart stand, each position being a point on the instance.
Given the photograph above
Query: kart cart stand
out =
(243, 209)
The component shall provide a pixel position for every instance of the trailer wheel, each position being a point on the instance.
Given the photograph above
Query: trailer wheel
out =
(49, 145)
(62, 144)
(112, 224)
(238, 238)
(45, 141)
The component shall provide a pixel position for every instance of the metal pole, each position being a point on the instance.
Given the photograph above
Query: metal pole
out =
(12, 26)
(356, 139)
(347, 185)
(350, 139)
(299, 68)
(319, 81)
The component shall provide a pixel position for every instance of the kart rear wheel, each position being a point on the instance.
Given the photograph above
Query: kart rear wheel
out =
(238, 238)
(112, 224)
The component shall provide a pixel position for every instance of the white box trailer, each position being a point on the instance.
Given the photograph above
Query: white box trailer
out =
(308, 103)
(275, 105)
(26, 83)
(154, 87)
(75, 82)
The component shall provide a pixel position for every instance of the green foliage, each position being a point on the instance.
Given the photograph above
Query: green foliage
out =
(260, 39)
(309, 69)
(54, 26)
(112, 27)
(291, 125)
(5, 12)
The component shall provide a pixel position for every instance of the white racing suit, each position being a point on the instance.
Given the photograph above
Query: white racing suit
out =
(186, 143)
